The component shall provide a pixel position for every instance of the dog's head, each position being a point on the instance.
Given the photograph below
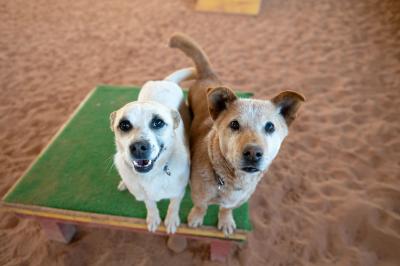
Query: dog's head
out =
(250, 132)
(144, 134)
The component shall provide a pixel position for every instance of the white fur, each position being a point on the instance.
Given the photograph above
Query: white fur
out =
(164, 98)
(164, 92)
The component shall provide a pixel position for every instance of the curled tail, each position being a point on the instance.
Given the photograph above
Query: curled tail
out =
(192, 50)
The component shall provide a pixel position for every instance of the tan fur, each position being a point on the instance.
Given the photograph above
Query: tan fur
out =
(216, 150)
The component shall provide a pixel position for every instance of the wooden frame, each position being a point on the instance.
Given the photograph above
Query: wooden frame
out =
(67, 216)
(59, 225)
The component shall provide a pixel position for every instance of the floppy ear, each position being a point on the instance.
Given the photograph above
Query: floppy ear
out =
(288, 103)
(176, 118)
(219, 99)
(112, 118)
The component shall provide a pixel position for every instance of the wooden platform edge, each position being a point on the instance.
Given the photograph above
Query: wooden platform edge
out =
(117, 221)
(61, 129)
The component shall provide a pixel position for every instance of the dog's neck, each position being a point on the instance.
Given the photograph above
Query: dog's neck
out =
(223, 169)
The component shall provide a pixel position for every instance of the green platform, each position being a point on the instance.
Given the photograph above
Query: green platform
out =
(76, 173)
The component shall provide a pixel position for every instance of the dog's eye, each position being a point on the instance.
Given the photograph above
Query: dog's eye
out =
(234, 125)
(125, 125)
(157, 123)
(269, 127)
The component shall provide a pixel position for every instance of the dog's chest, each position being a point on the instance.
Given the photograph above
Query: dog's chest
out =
(232, 198)
(233, 195)
(161, 186)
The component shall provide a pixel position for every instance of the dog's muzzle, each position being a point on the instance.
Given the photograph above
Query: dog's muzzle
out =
(140, 149)
(140, 152)
(251, 158)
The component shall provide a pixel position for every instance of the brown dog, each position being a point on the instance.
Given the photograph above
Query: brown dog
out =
(233, 141)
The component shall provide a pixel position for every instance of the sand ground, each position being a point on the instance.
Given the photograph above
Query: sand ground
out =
(332, 197)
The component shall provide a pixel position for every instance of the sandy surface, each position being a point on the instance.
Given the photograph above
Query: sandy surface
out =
(332, 197)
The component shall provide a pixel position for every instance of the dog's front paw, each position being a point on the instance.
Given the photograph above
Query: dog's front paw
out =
(121, 186)
(227, 224)
(196, 216)
(153, 221)
(172, 222)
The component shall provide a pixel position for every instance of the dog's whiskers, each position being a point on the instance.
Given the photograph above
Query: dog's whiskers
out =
(110, 164)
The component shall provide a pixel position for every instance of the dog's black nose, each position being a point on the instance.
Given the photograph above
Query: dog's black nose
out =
(252, 153)
(140, 149)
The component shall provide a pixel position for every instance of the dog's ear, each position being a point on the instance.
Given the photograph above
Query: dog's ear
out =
(219, 99)
(288, 103)
(176, 118)
(112, 118)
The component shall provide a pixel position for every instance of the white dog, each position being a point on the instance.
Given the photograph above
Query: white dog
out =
(152, 155)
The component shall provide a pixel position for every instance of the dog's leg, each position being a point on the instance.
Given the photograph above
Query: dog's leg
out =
(121, 186)
(196, 215)
(153, 217)
(172, 220)
(226, 223)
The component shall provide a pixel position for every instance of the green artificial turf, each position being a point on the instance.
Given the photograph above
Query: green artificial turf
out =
(76, 171)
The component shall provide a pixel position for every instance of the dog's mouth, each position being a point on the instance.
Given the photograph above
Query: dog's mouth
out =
(144, 165)
(250, 169)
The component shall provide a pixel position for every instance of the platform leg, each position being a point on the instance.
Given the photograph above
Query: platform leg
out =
(219, 250)
(177, 243)
(61, 232)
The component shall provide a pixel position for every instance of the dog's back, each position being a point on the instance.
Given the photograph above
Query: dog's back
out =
(167, 91)
(164, 92)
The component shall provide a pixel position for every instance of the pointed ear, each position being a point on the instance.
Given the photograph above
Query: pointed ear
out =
(112, 118)
(288, 103)
(176, 117)
(219, 100)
